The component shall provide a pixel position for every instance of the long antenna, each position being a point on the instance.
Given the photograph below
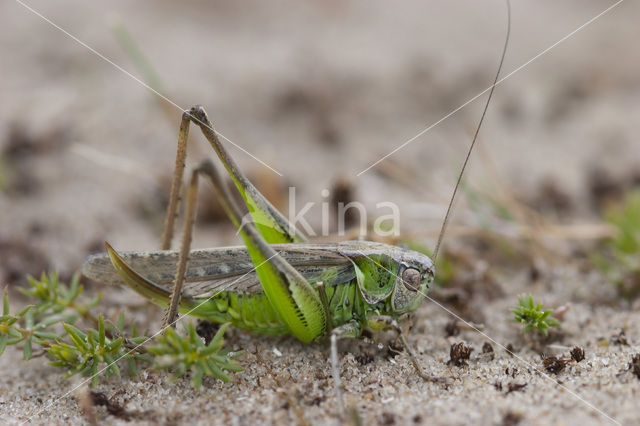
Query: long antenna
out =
(475, 136)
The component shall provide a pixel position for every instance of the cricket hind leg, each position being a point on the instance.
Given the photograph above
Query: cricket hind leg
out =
(270, 222)
(171, 314)
(229, 205)
(198, 114)
(292, 297)
(380, 322)
(298, 303)
(176, 183)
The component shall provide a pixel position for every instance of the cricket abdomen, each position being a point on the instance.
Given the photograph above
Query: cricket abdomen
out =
(251, 312)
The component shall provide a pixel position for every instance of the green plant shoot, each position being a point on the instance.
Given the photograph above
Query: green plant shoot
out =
(533, 316)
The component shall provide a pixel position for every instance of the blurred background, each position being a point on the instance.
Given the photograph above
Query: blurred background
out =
(318, 91)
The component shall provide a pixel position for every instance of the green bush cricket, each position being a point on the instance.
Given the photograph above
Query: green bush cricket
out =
(278, 282)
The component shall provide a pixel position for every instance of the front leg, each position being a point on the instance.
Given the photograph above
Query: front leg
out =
(381, 322)
(350, 330)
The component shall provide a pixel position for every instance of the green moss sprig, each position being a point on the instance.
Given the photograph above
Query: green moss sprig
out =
(183, 354)
(52, 322)
(620, 259)
(533, 316)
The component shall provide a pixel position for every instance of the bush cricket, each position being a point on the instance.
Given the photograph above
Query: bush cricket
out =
(278, 282)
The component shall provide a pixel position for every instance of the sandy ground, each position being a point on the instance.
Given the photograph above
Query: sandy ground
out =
(319, 92)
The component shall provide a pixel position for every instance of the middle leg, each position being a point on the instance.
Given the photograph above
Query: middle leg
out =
(350, 330)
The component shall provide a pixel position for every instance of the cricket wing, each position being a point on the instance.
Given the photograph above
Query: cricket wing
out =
(210, 268)
(249, 283)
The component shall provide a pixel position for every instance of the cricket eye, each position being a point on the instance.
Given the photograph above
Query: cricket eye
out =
(411, 279)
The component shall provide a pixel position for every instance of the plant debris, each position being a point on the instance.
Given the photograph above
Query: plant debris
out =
(554, 364)
(451, 329)
(511, 387)
(388, 418)
(207, 330)
(394, 348)
(515, 387)
(511, 418)
(459, 354)
(577, 354)
(364, 358)
(487, 348)
(117, 410)
(634, 365)
(487, 351)
(620, 339)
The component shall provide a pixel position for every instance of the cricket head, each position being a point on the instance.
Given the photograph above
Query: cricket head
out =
(413, 280)
(397, 277)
